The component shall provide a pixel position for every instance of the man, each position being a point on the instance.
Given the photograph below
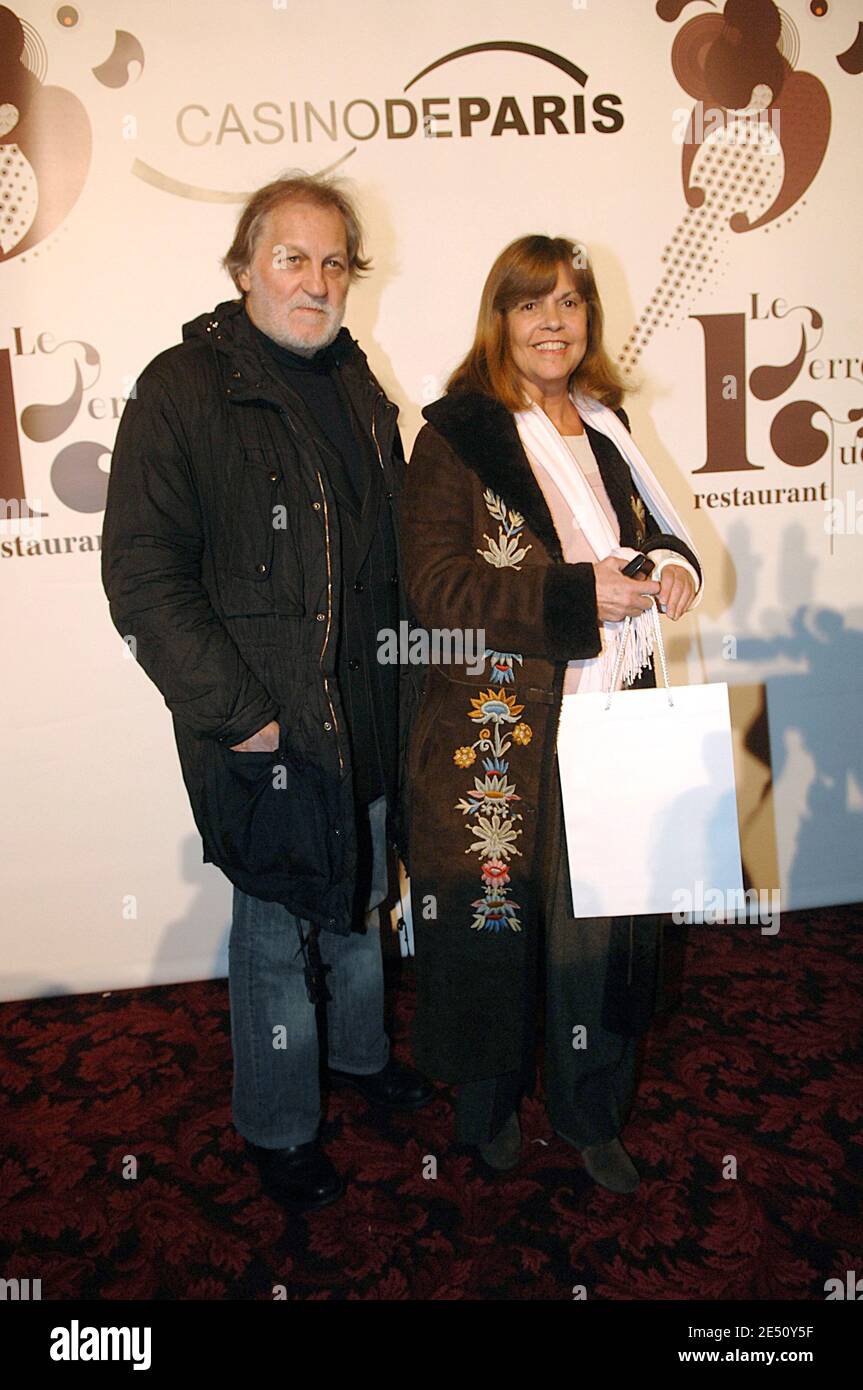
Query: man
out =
(251, 550)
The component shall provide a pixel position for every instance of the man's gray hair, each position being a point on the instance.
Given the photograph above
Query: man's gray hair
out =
(297, 188)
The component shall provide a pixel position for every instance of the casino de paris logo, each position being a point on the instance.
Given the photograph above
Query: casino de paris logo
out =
(338, 127)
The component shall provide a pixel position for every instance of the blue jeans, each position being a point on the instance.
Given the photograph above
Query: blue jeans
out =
(274, 1033)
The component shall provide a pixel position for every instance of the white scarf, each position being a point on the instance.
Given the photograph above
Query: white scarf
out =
(544, 445)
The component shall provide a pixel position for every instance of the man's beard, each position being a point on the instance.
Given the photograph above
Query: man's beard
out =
(303, 347)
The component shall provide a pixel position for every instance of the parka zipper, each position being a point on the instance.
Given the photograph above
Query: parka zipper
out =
(329, 616)
(374, 431)
(293, 428)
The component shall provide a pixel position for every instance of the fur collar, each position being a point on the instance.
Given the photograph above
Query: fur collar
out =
(483, 434)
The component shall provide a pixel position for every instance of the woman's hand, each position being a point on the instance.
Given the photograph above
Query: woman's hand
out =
(676, 591)
(618, 597)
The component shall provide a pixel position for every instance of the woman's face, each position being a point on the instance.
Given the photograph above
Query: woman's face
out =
(548, 336)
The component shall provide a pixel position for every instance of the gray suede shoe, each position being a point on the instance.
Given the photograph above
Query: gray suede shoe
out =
(610, 1165)
(504, 1150)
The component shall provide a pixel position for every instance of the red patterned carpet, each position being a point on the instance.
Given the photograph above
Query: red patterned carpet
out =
(761, 1061)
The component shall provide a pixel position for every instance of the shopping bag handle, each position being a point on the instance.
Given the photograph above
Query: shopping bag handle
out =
(622, 651)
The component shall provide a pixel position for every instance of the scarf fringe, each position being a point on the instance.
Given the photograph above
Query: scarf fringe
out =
(637, 655)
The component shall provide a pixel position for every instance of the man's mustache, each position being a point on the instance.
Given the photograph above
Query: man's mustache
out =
(326, 309)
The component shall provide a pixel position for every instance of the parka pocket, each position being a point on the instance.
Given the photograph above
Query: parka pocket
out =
(263, 569)
(271, 820)
(252, 517)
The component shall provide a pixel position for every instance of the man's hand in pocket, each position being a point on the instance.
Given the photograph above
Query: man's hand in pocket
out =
(266, 740)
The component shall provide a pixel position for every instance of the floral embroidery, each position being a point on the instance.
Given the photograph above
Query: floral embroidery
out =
(489, 791)
(491, 705)
(495, 871)
(491, 804)
(494, 912)
(502, 664)
(503, 553)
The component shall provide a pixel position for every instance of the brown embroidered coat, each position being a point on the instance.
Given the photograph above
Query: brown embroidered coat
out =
(480, 551)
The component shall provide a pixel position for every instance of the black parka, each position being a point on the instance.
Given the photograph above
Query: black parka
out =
(221, 562)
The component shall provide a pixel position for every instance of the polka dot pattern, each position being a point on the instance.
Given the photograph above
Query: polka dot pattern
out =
(19, 197)
(736, 172)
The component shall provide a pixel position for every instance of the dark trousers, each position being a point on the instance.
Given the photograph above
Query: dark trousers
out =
(589, 1073)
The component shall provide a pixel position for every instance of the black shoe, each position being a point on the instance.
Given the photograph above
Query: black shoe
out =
(504, 1150)
(395, 1087)
(301, 1177)
(610, 1165)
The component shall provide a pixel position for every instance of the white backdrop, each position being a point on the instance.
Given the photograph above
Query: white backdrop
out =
(131, 134)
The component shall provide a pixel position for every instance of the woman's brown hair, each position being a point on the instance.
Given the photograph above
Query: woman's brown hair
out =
(528, 269)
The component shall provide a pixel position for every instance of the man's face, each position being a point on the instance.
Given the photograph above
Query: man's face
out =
(297, 281)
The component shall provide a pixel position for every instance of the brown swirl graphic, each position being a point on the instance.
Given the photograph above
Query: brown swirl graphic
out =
(754, 142)
(114, 72)
(852, 59)
(45, 144)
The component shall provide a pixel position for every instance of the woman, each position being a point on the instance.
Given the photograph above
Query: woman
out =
(520, 511)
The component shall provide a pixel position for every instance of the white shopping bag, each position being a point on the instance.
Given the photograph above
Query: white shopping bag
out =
(649, 803)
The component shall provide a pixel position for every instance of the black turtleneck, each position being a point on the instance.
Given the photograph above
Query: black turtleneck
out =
(312, 379)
